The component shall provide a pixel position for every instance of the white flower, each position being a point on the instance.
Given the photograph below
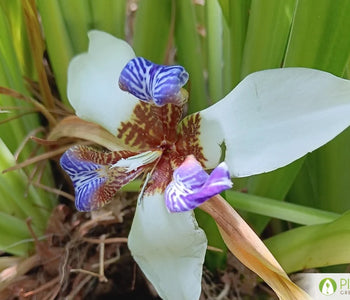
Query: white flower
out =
(270, 119)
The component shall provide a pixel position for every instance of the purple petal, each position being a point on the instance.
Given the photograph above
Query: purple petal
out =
(191, 185)
(86, 179)
(153, 83)
(95, 183)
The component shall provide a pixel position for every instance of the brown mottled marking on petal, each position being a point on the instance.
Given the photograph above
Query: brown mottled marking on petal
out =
(188, 138)
(150, 126)
(116, 178)
(173, 156)
(112, 179)
(101, 157)
(161, 176)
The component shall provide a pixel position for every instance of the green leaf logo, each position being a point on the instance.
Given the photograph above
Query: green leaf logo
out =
(327, 286)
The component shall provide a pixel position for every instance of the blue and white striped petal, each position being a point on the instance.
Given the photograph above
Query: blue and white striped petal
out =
(94, 178)
(86, 178)
(191, 185)
(154, 83)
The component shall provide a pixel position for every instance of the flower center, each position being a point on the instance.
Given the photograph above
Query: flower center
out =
(153, 128)
(167, 147)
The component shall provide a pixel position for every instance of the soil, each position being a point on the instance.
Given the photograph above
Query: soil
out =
(85, 256)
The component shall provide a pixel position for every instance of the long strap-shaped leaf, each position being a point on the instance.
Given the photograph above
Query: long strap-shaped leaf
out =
(250, 250)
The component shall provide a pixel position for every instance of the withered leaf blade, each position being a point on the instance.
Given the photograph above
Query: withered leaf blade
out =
(75, 127)
(250, 250)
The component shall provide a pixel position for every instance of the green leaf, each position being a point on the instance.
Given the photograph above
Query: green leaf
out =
(225, 8)
(278, 209)
(265, 185)
(313, 246)
(13, 11)
(14, 235)
(317, 41)
(239, 12)
(77, 20)
(59, 45)
(189, 53)
(109, 16)
(317, 36)
(152, 34)
(25, 196)
(259, 36)
(13, 132)
(267, 35)
(324, 178)
(310, 34)
(214, 39)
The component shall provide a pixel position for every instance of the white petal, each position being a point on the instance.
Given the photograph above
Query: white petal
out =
(131, 163)
(93, 89)
(169, 248)
(274, 117)
(211, 137)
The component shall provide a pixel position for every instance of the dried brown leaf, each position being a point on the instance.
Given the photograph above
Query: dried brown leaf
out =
(250, 250)
(75, 127)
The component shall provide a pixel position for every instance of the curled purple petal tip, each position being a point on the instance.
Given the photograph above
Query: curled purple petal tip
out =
(191, 185)
(153, 83)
